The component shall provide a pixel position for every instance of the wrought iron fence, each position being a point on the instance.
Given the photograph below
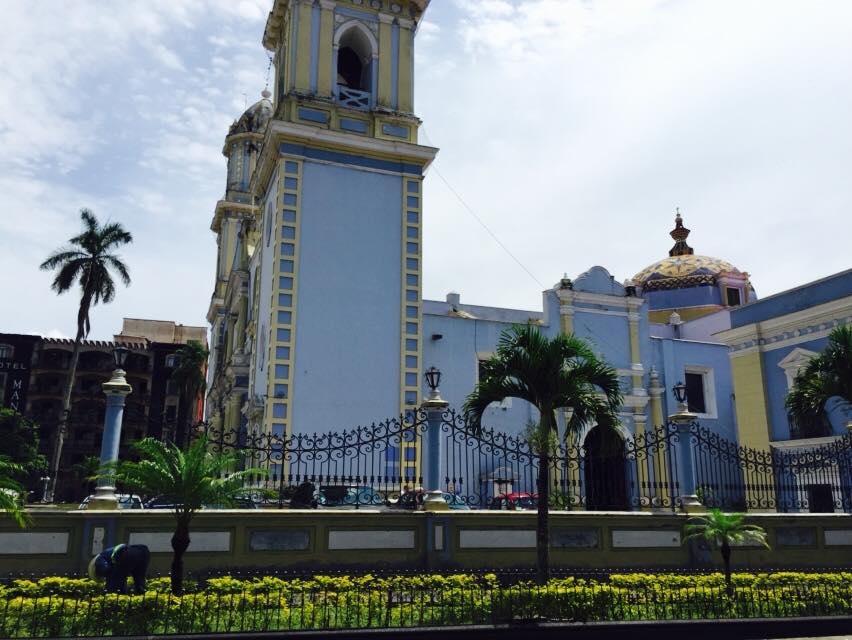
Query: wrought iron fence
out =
(364, 466)
(604, 470)
(257, 607)
(734, 477)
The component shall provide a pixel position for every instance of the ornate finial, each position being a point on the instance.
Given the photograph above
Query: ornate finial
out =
(565, 282)
(266, 94)
(679, 234)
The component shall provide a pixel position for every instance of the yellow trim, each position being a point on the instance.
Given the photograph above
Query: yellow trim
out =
(642, 464)
(634, 350)
(752, 418)
(404, 86)
(326, 45)
(278, 239)
(417, 352)
(303, 50)
(661, 316)
(384, 97)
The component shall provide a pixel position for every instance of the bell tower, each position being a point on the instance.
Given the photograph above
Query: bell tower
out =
(337, 330)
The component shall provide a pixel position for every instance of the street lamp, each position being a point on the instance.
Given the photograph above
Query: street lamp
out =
(119, 356)
(683, 414)
(682, 420)
(116, 390)
(434, 406)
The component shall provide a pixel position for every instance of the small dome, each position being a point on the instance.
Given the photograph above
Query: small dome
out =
(255, 118)
(678, 272)
(683, 269)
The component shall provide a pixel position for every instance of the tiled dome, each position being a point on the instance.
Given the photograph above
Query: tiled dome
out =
(255, 118)
(683, 268)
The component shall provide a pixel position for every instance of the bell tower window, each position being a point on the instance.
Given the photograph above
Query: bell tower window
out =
(355, 51)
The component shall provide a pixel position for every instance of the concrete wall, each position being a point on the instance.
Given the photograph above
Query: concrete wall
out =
(63, 542)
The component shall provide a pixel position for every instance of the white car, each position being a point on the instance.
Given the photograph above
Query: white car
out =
(125, 501)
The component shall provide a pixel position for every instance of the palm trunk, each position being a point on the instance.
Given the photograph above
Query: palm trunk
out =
(542, 540)
(61, 429)
(726, 561)
(180, 543)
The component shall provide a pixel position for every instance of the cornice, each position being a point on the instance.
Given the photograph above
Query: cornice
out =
(223, 207)
(788, 330)
(280, 130)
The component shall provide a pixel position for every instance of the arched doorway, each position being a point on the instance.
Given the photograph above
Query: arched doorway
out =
(604, 471)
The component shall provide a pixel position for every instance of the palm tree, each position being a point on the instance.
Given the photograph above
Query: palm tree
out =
(89, 260)
(828, 374)
(10, 492)
(189, 375)
(725, 529)
(190, 477)
(549, 374)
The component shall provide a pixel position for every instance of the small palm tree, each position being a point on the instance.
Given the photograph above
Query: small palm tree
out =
(549, 374)
(725, 529)
(88, 260)
(189, 375)
(192, 477)
(828, 374)
(10, 492)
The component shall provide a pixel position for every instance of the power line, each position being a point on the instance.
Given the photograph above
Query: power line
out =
(470, 210)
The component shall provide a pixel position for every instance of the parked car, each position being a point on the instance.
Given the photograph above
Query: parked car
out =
(165, 502)
(348, 496)
(514, 502)
(125, 501)
(413, 500)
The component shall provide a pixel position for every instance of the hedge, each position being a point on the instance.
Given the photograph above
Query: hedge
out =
(78, 607)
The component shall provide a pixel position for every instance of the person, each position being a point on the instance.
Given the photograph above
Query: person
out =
(303, 497)
(117, 563)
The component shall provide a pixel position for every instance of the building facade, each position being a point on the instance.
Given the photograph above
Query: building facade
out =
(34, 371)
(317, 316)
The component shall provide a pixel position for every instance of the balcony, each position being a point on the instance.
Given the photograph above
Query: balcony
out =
(353, 98)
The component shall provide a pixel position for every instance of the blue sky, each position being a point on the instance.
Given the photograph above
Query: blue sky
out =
(573, 128)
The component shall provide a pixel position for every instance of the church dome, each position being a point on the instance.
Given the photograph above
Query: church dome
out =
(255, 118)
(691, 285)
(683, 268)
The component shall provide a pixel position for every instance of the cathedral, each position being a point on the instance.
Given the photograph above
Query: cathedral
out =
(317, 316)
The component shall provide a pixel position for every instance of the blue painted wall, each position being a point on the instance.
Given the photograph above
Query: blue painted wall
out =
(680, 298)
(804, 297)
(455, 354)
(347, 359)
(671, 357)
(775, 385)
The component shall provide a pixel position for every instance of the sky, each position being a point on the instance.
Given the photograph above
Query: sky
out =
(571, 129)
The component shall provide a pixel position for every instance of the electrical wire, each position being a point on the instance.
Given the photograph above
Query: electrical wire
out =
(470, 210)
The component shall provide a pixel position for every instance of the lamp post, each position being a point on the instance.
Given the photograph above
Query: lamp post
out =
(434, 406)
(683, 418)
(45, 487)
(116, 390)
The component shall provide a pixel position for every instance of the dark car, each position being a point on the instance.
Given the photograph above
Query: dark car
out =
(515, 502)
(348, 496)
(412, 500)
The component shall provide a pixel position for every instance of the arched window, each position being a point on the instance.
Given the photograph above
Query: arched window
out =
(6, 351)
(356, 46)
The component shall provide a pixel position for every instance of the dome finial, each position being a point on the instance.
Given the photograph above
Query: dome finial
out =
(266, 94)
(679, 234)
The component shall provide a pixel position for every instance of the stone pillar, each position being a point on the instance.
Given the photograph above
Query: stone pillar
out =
(434, 407)
(689, 502)
(116, 390)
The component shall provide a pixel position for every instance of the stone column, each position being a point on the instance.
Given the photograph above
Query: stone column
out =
(685, 460)
(116, 390)
(434, 407)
